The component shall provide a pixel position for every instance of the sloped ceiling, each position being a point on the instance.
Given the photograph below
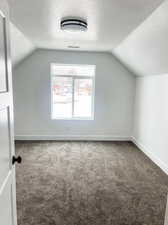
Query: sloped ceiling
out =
(21, 47)
(145, 51)
(109, 21)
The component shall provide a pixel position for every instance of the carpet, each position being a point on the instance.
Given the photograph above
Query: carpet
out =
(88, 183)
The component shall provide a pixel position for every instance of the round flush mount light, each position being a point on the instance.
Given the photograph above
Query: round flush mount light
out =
(74, 25)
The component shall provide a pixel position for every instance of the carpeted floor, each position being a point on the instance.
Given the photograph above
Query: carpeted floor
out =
(88, 183)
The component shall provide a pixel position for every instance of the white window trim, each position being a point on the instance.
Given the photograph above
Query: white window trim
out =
(73, 78)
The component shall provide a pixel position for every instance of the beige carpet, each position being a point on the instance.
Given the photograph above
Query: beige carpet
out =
(88, 183)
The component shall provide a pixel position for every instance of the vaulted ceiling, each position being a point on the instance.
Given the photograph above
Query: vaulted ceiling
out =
(109, 21)
(21, 46)
(145, 50)
(135, 31)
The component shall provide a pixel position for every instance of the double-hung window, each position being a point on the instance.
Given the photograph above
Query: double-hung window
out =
(72, 90)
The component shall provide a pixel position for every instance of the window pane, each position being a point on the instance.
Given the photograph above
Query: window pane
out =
(62, 97)
(83, 98)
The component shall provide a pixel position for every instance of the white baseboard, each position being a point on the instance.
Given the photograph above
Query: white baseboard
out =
(149, 153)
(73, 137)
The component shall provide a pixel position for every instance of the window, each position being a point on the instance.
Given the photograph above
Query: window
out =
(72, 89)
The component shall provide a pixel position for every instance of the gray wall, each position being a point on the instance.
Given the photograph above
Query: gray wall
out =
(114, 98)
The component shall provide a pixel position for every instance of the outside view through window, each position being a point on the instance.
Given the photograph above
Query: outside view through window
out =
(72, 91)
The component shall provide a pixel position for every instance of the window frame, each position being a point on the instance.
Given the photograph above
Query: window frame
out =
(73, 92)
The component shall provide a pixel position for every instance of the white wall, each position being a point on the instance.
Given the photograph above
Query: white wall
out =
(151, 118)
(20, 45)
(114, 97)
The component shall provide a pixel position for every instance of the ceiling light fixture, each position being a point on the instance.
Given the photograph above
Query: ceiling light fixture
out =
(75, 25)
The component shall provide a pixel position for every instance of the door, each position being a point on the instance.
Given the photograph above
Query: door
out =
(166, 214)
(7, 170)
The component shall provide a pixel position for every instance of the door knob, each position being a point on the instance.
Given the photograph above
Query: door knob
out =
(16, 159)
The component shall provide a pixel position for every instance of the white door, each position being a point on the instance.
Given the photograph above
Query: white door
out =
(166, 214)
(7, 170)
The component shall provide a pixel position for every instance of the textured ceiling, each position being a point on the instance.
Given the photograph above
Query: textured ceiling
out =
(109, 22)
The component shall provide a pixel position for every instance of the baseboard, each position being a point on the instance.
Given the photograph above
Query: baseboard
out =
(73, 137)
(149, 153)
